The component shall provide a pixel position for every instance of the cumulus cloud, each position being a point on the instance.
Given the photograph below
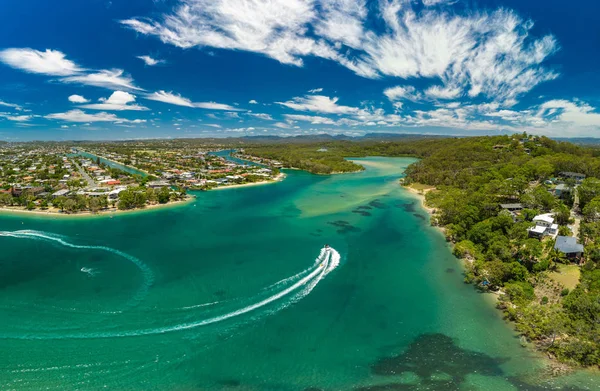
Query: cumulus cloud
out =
(149, 61)
(486, 53)
(318, 104)
(578, 113)
(315, 90)
(178, 100)
(118, 101)
(253, 102)
(78, 99)
(49, 62)
(80, 116)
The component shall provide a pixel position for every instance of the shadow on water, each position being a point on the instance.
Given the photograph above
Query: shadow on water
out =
(410, 207)
(420, 216)
(377, 204)
(344, 227)
(436, 362)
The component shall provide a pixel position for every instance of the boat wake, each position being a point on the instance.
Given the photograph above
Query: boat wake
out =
(272, 299)
(56, 239)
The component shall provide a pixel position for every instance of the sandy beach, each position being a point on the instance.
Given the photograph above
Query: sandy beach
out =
(54, 212)
(278, 178)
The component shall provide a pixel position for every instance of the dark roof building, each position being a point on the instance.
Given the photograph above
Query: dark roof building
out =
(569, 246)
(512, 207)
(569, 174)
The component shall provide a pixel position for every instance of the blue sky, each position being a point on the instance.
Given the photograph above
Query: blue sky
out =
(128, 69)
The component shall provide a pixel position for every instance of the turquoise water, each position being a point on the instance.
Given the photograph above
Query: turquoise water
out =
(228, 293)
(226, 153)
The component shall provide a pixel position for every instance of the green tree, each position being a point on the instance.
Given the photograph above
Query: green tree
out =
(591, 211)
(587, 191)
(69, 205)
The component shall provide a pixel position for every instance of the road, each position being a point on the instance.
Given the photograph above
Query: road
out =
(85, 175)
(576, 216)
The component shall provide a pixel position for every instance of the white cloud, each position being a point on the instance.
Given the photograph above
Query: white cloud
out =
(150, 61)
(282, 125)
(429, 3)
(16, 118)
(170, 98)
(443, 92)
(261, 116)
(178, 100)
(253, 102)
(114, 79)
(315, 90)
(81, 116)
(11, 105)
(49, 62)
(315, 120)
(118, 101)
(78, 99)
(319, 104)
(486, 53)
(215, 106)
(579, 114)
(402, 93)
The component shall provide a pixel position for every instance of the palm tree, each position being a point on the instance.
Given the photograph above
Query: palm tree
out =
(557, 256)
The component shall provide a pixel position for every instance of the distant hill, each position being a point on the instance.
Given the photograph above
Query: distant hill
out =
(580, 140)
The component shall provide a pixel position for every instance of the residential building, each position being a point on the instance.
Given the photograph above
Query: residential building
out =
(544, 226)
(569, 246)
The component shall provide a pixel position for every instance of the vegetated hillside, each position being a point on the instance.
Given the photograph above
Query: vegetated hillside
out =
(326, 157)
(473, 176)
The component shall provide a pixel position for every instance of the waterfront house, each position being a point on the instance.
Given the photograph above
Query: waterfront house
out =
(60, 193)
(114, 194)
(157, 184)
(569, 246)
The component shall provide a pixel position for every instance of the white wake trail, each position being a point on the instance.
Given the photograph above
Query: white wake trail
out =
(39, 235)
(326, 262)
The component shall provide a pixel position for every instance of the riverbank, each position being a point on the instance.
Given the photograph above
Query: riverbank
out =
(116, 162)
(55, 212)
(554, 366)
(278, 178)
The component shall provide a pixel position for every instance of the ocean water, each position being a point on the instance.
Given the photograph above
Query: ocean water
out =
(234, 291)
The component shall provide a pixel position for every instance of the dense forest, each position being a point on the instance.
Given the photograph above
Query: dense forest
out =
(472, 177)
(554, 301)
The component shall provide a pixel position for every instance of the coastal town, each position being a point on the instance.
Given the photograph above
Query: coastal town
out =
(63, 179)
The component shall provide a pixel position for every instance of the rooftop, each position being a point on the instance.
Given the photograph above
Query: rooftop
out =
(568, 245)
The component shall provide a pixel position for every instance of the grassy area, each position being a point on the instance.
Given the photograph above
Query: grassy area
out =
(567, 275)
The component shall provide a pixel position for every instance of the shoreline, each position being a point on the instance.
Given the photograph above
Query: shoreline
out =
(277, 179)
(103, 213)
(493, 298)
